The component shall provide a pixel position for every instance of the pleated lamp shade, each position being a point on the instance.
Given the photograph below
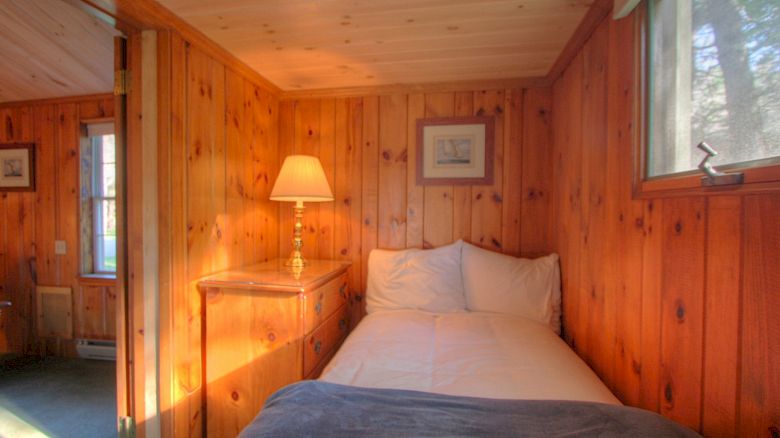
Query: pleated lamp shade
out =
(301, 179)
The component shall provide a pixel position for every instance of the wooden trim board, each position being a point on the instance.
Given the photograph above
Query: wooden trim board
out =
(433, 87)
(598, 11)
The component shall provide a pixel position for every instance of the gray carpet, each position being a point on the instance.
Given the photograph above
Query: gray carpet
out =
(58, 397)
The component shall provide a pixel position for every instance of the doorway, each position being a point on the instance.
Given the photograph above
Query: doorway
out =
(63, 320)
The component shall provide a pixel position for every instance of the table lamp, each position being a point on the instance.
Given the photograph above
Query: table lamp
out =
(300, 180)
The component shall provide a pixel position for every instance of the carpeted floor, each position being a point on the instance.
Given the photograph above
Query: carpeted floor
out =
(57, 397)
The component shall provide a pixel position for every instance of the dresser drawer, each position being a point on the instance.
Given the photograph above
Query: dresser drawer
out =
(321, 342)
(322, 302)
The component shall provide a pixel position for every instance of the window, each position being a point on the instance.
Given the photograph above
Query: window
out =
(98, 199)
(714, 77)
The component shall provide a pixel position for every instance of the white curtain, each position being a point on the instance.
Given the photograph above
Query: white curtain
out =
(623, 8)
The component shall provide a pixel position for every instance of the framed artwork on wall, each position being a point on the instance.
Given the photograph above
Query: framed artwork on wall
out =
(17, 167)
(455, 151)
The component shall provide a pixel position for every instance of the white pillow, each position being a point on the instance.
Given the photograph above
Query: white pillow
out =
(428, 280)
(503, 284)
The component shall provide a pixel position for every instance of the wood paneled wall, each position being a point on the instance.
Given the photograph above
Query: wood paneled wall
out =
(670, 300)
(30, 222)
(367, 146)
(218, 160)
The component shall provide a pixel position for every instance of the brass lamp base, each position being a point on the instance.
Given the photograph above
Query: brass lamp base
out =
(296, 259)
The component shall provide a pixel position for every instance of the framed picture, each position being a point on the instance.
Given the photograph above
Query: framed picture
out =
(455, 150)
(17, 167)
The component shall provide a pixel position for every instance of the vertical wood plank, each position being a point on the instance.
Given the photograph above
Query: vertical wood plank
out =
(568, 156)
(110, 310)
(759, 408)
(185, 302)
(535, 158)
(67, 195)
(652, 254)
(167, 253)
(45, 194)
(721, 315)
(253, 242)
(90, 325)
(286, 147)
(596, 342)
(437, 227)
(392, 171)
(370, 190)
(514, 208)
(347, 190)
(14, 272)
(327, 154)
(461, 195)
(307, 142)
(682, 309)
(269, 167)
(238, 219)
(201, 206)
(487, 201)
(415, 194)
(219, 239)
(624, 214)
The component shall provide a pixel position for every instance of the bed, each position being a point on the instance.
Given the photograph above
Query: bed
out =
(472, 354)
(457, 342)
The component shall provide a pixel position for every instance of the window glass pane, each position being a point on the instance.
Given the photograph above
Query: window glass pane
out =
(715, 77)
(109, 180)
(108, 262)
(105, 236)
(109, 149)
(108, 217)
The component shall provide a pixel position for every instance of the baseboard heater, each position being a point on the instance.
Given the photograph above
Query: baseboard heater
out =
(96, 349)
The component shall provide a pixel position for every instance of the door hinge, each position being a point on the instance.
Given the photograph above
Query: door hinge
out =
(120, 83)
(126, 427)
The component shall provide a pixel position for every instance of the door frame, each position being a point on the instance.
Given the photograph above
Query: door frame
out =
(138, 339)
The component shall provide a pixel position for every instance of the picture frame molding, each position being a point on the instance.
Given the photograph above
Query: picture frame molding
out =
(489, 123)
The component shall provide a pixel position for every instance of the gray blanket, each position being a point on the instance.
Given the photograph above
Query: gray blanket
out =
(319, 409)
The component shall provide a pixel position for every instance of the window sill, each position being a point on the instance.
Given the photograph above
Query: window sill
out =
(97, 280)
(757, 180)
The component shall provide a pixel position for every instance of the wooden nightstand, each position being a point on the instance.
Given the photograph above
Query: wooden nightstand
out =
(265, 327)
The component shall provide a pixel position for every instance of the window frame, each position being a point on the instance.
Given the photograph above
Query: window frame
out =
(761, 175)
(90, 267)
(97, 198)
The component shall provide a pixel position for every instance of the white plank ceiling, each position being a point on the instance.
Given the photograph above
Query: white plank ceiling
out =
(53, 49)
(314, 44)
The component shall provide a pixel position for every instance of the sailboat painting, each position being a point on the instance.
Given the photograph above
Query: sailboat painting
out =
(453, 150)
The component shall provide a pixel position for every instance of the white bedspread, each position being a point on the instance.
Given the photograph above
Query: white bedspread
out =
(468, 354)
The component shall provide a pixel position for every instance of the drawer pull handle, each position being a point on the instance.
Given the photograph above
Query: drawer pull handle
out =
(342, 291)
(318, 307)
(317, 347)
(342, 324)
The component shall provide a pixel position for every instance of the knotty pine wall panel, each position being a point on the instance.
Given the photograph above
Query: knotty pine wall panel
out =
(377, 201)
(219, 158)
(30, 222)
(670, 300)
